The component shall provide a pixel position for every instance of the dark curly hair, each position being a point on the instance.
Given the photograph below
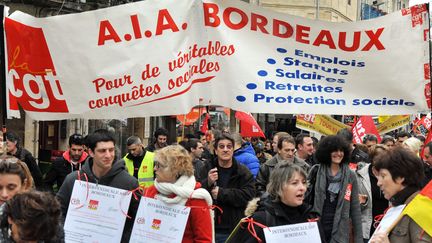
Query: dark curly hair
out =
(331, 144)
(37, 215)
(401, 163)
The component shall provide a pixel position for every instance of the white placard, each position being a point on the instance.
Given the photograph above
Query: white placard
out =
(303, 232)
(416, 2)
(159, 222)
(389, 218)
(98, 217)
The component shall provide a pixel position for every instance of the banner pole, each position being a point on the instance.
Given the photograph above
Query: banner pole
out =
(430, 45)
(3, 75)
(209, 120)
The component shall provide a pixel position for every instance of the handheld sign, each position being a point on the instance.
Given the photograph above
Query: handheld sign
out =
(159, 222)
(98, 217)
(391, 217)
(303, 232)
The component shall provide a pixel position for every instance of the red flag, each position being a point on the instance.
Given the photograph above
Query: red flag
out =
(422, 126)
(428, 139)
(248, 125)
(204, 127)
(364, 125)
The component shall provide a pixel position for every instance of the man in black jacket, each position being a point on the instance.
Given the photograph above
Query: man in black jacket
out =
(231, 185)
(14, 148)
(71, 160)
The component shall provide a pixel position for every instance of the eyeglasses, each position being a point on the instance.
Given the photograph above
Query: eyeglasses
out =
(8, 159)
(222, 146)
(159, 165)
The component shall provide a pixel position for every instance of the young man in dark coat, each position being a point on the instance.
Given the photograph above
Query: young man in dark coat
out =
(101, 168)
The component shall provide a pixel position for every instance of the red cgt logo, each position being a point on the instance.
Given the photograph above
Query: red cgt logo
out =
(34, 85)
(156, 224)
(93, 205)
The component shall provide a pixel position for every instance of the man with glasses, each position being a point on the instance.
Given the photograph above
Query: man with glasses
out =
(370, 140)
(139, 162)
(70, 161)
(231, 185)
(100, 168)
(285, 154)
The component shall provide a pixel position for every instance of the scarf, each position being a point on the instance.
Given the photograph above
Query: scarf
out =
(401, 197)
(334, 183)
(183, 189)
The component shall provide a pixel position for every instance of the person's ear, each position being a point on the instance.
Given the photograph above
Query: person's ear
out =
(27, 185)
(90, 152)
(400, 180)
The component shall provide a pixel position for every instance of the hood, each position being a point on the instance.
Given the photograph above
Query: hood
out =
(259, 204)
(246, 148)
(117, 167)
(66, 156)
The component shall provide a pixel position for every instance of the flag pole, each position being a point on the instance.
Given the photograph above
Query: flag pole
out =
(3, 75)
(430, 46)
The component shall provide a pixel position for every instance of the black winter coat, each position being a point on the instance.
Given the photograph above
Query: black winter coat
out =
(232, 199)
(60, 168)
(271, 214)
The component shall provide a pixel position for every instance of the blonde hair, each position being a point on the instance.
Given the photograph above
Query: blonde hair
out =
(414, 144)
(177, 158)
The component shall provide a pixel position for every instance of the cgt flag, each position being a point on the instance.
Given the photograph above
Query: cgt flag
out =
(420, 208)
(248, 125)
(364, 125)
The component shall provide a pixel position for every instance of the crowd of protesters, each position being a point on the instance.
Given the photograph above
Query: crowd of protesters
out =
(235, 186)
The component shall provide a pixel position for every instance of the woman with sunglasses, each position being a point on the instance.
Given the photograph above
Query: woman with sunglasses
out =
(175, 184)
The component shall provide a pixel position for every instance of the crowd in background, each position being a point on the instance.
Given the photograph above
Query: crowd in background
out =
(234, 185)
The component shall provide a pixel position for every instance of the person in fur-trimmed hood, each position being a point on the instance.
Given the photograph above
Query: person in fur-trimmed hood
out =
(282, 204)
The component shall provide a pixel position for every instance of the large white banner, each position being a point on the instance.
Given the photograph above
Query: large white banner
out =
(156, 57)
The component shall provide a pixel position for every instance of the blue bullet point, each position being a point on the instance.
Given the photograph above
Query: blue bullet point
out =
(271, 61)
(241, 98)
(281, 50)
(251, 86)
(262, 73)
